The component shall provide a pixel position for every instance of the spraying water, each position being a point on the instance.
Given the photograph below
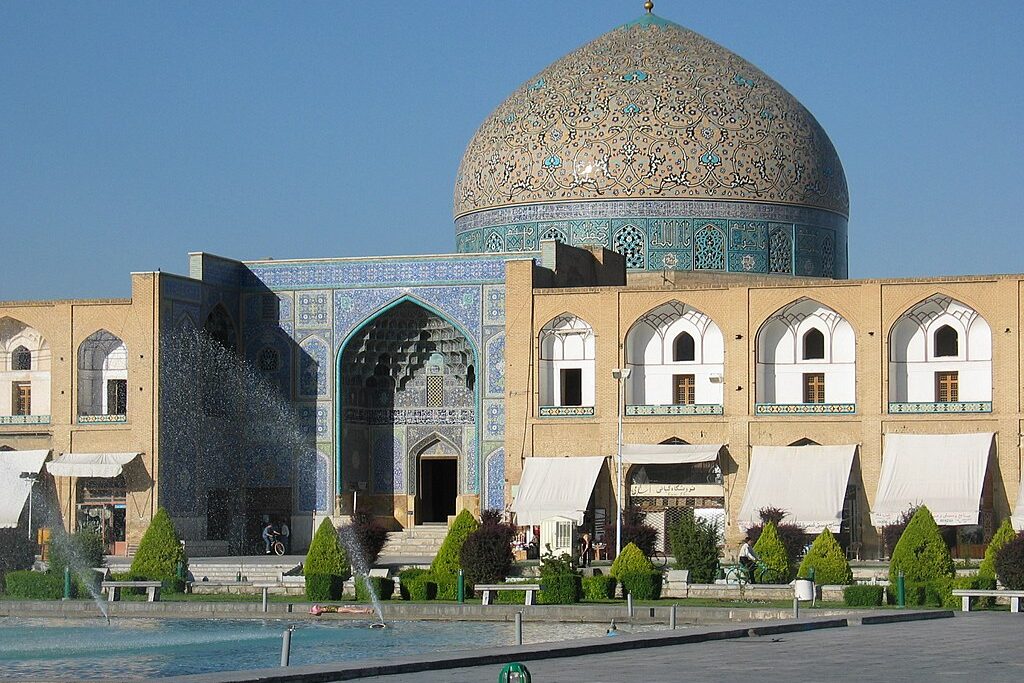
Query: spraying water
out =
(361, 569)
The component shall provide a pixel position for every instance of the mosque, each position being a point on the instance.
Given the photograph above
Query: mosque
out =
(650, 283)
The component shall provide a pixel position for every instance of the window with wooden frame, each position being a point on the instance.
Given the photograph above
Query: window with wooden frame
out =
(21, 359)
(814, 387)
(21, 399)
(947, 387)
(683, 390)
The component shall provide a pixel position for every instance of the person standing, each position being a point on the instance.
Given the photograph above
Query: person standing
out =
(285, 535)
(585, 549)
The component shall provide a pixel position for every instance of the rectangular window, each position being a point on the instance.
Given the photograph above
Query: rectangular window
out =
(21, 399)
(435, 391)
(563, 534)
(814, 387)
(117, 397)
(947, 387)
(269, 307)
(683, 390)
(572, 387)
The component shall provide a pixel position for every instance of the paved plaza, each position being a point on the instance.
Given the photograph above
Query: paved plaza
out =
(982, 646)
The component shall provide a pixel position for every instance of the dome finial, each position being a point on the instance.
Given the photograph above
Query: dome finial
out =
(649, 6)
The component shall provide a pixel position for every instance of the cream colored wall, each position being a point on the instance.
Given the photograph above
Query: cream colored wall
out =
(739, 307)
(65, 324)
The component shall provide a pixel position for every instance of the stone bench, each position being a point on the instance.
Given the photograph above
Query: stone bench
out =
(487, 589)
(113, 589)
(965, 596)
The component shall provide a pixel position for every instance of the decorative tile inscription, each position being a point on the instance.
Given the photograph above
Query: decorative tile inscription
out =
(805, 408)
(101, 419)
(566, 411)
(961, 407)
(24, 419)
(690, 409)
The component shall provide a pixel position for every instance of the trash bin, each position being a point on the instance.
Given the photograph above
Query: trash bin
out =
(803, 590)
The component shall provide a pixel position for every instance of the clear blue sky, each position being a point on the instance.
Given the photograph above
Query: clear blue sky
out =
(134, 132)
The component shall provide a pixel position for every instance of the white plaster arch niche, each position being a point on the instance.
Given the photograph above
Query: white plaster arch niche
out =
(24, 365)
(670, 340)
(567, 352)
(789, 347)
(921, 345)
(102, 374)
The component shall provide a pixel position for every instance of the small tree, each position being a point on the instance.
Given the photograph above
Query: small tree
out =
(16, 552)
(160, 552)
(631, 559)
(696, 546)
(828, 560)
(772, 553)
(793, 536)
(635, 530)
(921, 554)
(891, 532)
(446, 563)
(486, 556)
(82, 549)
(1004, 534)
(370, 536)
(1009, 563)
(327, 566)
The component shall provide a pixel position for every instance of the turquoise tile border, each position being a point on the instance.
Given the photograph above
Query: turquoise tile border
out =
(926, 408)
(566, 411)
(24, 419)
(805, 408)
(678, 409)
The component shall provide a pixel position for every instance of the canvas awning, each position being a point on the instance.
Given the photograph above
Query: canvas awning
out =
(14, 488)
(945, 472)
(668, 454)
(1017, 518)
(555, 486)
(808, 482)
(103, 465)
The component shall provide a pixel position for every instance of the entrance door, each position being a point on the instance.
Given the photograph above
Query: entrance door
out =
(439, 482)
(265, 505)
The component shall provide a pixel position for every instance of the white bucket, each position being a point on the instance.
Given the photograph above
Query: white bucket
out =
(803, 589)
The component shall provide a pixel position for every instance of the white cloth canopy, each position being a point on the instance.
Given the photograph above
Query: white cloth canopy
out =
(555, 486)
(1017, 518)
(104, 465)
(945, 472)
(14, 488)
(668, 454)
(808, 482)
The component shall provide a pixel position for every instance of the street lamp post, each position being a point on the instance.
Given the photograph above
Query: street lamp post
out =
(620, 374)
(32, 477)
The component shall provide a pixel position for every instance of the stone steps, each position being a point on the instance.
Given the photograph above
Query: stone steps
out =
(418, 541)
(226, 572)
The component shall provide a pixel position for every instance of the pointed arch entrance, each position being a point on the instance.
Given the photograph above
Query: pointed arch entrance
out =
(437, 478)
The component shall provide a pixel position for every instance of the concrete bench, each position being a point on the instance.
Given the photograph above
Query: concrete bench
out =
(487, 589)
(965, 596)
(113, 589)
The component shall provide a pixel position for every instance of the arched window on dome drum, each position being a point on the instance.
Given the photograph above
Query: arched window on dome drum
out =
(683, 348)
(814, 345)
(947, 342)
(21, 359)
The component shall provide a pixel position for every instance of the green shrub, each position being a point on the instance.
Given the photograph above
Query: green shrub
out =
(631, 560)
(445, 587)
(370, 536)
(637, 531)
(1004, 534)
(446, 563)
(17, 552)
(641, 585)
(828, 560)
(80, 550)
(30, 585)
(950, 601)
(128, 576)
(863, 596)
(382, 585)
(324, 587)
(416, 584)
(773, 555)
(793, 536)
(486, 556)
(921, 554)
(598, 588)
(560, 589)
(696, 547)
(160, 551)
(510, 597)
(326, 563)
(1010, 564)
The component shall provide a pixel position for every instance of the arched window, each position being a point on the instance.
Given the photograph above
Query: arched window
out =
(21, 359)
(683, 348)
(947, 342)
(269, 359)
(814, 345)
(220, 328)
(102, 375)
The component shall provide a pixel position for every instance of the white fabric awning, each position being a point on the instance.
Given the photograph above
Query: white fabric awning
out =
(945, 472)
(668, 454)
(555, 486)
(808, 482)
(104, 465)
(14, 488)
(1017, 518)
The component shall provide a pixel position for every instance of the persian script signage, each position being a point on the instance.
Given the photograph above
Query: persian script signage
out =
(677, 490)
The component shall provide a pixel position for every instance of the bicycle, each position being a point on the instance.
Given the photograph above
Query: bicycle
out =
(659, 559)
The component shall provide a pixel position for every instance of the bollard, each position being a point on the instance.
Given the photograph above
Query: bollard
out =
(514, 672)
(265, 589)
(796, 608)
(67, 583)
(286, 646)
(519, 628)
(901, 590)
(461, 588)
(629, 605)
(672, 617)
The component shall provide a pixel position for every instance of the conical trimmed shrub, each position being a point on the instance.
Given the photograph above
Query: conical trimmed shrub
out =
(771, 551)
(921, 553)
(327, 566)
(446, 563)
(1003, 535)
(159, 552)
(828, 560)
(630, 560)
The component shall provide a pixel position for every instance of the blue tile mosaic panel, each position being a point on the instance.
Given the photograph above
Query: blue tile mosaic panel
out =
(494, 498)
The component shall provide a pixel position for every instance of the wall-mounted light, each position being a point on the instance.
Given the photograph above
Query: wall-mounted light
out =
(715, 379)
(739, 336)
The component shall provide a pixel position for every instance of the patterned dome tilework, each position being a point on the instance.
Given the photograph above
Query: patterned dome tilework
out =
(651, 110)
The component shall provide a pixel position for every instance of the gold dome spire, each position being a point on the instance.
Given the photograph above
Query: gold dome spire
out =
(649, 6)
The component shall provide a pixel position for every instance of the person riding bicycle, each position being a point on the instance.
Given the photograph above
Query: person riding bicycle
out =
(748, 560)
(269, 536)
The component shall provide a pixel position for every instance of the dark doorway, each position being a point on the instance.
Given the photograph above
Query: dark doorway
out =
(439, 479)
(265, 505)
(572, 387)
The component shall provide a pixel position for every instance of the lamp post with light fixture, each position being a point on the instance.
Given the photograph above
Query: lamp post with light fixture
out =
(33, 478)
(621, 375)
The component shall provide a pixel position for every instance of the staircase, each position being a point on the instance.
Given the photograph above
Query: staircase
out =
(226, 569)
(421, 542)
